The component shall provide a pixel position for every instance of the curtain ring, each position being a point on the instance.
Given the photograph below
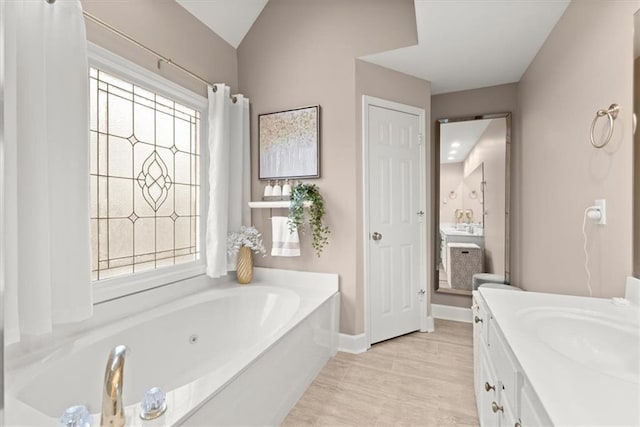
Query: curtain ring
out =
(611, 113)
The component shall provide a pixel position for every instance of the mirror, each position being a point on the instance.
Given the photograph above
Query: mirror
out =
(472, 221)
(636, 151)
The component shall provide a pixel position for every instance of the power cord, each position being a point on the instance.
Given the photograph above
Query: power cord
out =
(584, 247)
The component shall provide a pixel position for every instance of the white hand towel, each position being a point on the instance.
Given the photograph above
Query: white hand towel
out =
(284, 242)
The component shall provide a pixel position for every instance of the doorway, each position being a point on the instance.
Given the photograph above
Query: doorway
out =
(394, 219)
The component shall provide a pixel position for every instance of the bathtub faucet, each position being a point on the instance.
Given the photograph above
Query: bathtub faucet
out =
(112, 407)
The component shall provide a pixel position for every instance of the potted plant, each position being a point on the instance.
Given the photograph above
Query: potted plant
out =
(243, 242)
(300, 194)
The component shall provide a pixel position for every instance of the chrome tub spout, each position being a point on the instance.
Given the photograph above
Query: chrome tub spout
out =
(112, 406)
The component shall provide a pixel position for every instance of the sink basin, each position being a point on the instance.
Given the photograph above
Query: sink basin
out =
(600, 342)
(458, 233)
(452, 231)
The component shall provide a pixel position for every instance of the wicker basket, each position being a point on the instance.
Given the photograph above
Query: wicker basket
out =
(464, 260)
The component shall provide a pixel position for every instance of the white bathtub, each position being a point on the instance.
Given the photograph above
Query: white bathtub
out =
(230, 355)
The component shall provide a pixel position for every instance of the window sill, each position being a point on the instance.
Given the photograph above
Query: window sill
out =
(117, 287)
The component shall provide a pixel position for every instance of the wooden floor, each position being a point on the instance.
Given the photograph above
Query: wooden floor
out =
(415, 380)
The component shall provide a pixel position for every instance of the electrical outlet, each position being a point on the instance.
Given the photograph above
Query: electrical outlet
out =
(602, 205)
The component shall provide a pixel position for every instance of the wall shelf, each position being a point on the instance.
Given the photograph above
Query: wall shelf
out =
(284, 204)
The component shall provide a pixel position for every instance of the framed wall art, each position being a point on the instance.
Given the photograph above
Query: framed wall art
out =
(289, 144)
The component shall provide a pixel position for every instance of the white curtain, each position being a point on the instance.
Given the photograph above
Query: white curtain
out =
(47, 167)
(229, 174)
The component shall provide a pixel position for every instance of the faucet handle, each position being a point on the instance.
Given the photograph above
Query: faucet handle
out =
(153, 404)
(76, 416)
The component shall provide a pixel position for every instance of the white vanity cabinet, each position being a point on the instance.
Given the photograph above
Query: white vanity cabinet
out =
(502, 394)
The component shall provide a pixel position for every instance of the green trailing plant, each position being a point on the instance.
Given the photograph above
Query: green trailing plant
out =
(300, 194)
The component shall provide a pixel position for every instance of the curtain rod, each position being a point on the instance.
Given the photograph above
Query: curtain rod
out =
(160, 57)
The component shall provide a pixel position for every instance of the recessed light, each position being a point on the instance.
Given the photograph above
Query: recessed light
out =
(451, 158)
(455, 144)
(452, 152)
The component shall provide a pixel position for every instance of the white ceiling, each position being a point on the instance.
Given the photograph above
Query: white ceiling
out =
(230, 19)
(466, 44)
(462, 44)
(460, 137)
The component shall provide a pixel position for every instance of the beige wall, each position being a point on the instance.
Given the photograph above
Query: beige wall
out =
(473, 182)
(470, 103)
(585, 64)
(380, 82)
(169, 29)
(451, 179)
(490, 150)
(636, 170)
(301, 53)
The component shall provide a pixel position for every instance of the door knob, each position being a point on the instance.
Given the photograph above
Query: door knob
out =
(496, 408)
(376, 236)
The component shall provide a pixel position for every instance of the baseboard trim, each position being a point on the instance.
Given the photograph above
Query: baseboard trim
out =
(448, 312)
(429, 325)
(352, 343)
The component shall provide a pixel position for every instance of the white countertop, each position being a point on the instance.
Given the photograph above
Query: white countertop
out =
(571, 392)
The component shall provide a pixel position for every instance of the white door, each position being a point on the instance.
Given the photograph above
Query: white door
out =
(396, 220)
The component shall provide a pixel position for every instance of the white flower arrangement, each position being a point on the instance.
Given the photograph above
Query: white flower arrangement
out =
(247, 236)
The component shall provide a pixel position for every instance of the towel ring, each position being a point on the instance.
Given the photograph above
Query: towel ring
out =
(612, 114)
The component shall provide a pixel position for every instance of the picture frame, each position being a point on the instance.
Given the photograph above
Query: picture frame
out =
(289, 144)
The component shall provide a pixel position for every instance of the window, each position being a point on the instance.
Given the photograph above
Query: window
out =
(145, 178)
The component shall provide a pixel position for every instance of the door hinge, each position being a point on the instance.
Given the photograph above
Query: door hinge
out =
(420, 138)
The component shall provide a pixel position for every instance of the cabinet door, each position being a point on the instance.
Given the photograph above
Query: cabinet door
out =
(506, 369)
(476, 347)
(481, 320)
(487, 392)
(533, 413)
(507, 418)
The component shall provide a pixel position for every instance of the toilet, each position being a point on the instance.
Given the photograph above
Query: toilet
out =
(480, 278)
(500, 286)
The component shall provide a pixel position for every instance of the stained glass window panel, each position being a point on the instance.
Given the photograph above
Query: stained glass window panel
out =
(145, 187)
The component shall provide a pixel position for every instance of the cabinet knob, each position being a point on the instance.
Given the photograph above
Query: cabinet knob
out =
(477, 319)
(517, 424)
(496, 408)
(489, 387)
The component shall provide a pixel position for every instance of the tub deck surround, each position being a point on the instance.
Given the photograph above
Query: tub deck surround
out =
(195, 348)
(573, 388)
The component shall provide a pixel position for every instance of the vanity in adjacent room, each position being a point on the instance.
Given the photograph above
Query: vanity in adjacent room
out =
(545, 359)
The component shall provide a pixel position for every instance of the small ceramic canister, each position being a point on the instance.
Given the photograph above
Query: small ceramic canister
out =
(268, 190)
(286, 189)
(277, 190)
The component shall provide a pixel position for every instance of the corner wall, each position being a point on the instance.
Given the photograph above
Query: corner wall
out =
(585, 64)
(303, 53)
